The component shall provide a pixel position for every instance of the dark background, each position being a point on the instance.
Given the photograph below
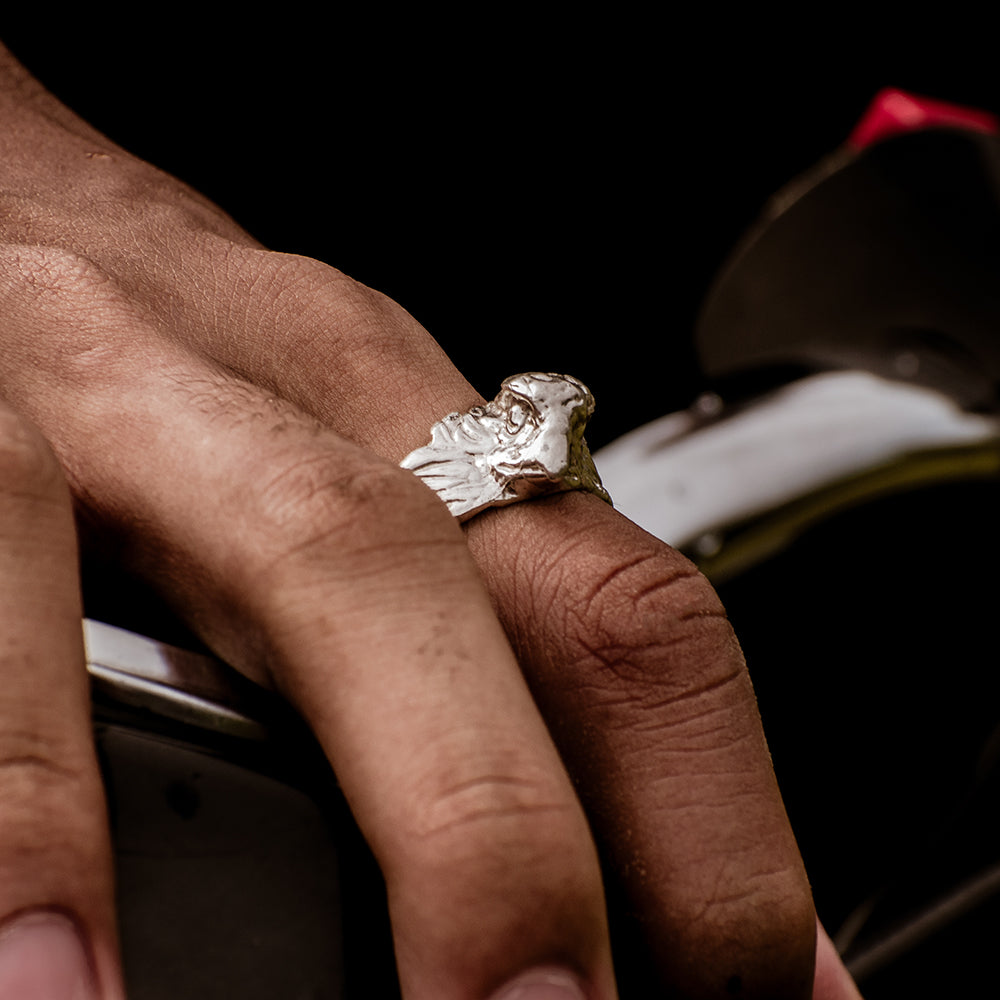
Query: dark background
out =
(546, 190)
(557, 192)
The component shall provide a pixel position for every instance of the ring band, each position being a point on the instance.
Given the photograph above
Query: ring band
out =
(525, 443)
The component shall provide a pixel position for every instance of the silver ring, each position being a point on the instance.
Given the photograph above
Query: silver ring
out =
(525, 443)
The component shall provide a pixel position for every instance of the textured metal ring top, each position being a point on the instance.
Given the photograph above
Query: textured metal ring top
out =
(525, 443)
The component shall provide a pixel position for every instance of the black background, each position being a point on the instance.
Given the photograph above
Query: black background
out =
(542, 189)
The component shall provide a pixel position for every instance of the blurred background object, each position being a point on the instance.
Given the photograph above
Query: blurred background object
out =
(839, 484)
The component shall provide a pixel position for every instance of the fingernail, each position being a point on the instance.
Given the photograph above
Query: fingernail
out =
(542, 984)
(43, 958)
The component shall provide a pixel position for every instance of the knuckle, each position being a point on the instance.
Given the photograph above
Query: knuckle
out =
(50, 274)
(347, 500)
(294, 283)
(655, 620)
(355, 327)
(463, 814)
(651, 650)
(29, 762)
(293, 271)
(71, 324)
(38, 777)
(52, 817)
(499, 832)
(486, 799)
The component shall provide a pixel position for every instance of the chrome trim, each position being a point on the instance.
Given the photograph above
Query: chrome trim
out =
(173, 683)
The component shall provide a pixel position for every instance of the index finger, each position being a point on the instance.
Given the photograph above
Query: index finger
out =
(57, 928)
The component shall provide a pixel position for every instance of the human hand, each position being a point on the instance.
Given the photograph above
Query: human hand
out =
(230, 420)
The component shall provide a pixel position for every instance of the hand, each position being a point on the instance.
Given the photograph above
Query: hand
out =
(230, 420)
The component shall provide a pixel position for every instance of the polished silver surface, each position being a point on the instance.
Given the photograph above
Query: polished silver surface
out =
(527, 442)
(171, 683)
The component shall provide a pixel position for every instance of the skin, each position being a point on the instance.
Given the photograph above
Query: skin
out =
(499, 701)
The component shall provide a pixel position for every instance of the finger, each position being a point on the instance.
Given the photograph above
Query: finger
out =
(640, 666)
(309, 563)
(57, 935)
(832, 980)
(448, 768)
